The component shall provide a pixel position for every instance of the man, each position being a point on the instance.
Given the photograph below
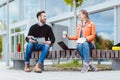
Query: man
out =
(39, 30)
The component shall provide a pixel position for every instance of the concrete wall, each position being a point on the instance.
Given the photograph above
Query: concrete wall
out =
(58, 32)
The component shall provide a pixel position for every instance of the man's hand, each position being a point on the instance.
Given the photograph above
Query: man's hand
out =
(47, 42)
(31, 39)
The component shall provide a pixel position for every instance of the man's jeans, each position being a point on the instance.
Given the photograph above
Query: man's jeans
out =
(84, 50)
(36, 47)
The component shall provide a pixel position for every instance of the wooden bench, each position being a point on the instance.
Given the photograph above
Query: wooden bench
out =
(19, 58)
(56, 56)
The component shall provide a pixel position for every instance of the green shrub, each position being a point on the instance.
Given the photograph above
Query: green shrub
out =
(74, 63)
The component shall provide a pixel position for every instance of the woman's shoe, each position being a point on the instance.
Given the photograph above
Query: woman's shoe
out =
(92, 67)
(85, 68)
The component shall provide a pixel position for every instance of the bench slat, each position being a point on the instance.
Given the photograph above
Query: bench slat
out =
(95, 54)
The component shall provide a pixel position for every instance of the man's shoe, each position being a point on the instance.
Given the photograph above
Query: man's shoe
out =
(27, 68)
(38, 68)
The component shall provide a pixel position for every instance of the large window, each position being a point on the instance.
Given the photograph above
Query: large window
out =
(104, 22)
(14, 11)
(18, 37)
(55, 7)
(31, 7)
(3, 18)
(1, 1)
(91, 3)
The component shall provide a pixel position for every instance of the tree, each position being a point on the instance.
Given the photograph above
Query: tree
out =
(102, 43)
(71, 2)
(75, 4)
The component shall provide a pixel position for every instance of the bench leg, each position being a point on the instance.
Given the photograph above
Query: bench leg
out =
(33, 62)
(53, 61)
(18, 64)
(58, 61)
(43, 66)
(116, 64)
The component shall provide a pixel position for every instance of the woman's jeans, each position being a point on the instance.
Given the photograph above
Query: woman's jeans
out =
(36, 47)
(84, 50)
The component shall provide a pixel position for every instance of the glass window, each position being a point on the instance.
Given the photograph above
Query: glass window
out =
(1, 1)
(31, 7)
(91, 3)
(14, 11)
(55, 7)
(3, 18)
(104, 22)
(17, 38)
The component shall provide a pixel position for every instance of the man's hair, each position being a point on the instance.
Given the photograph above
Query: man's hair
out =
(39, 13)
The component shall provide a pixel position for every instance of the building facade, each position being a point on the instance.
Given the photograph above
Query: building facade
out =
(17, 16)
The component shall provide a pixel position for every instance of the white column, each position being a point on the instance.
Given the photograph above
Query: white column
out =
(21, 9)
(116, 25)
(75, 14)
(43, 5)
(71, 29)
(8, 42)
(4, 45)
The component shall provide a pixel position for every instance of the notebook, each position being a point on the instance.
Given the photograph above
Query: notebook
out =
(64, 46)
(40, 40)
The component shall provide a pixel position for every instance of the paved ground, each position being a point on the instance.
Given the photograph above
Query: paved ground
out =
(10, 74)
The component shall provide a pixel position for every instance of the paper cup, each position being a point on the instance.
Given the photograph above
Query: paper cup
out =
(64, 34)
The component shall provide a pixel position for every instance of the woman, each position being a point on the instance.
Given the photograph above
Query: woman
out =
(85, 35)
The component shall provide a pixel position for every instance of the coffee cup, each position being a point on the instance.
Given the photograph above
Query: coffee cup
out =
(64, 34)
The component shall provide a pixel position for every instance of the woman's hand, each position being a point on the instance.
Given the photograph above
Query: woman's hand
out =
(67, 36)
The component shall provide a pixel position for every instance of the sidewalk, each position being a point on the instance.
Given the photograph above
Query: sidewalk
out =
(10, 74)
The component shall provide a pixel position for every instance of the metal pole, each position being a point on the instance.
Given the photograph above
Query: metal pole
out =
(8, 42)
(75, 15)
(115, 26)
(21, 10)
(44, 5)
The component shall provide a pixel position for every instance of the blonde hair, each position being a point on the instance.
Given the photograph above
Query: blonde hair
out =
(85, 13)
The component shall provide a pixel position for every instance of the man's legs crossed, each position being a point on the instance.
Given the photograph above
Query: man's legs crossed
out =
(44, 48)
